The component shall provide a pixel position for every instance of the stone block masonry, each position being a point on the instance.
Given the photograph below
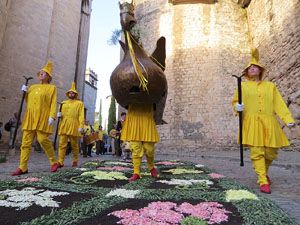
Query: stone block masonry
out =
(206, 44)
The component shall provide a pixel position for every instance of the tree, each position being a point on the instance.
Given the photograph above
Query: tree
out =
(100, 113)
(111, 114)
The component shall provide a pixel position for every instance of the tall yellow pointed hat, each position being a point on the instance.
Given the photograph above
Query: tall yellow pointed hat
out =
(73, 89)
(48, 69)
(254, 61)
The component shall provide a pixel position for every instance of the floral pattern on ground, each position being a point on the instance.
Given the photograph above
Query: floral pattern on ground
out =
(236, 195)
(22, 199)
(181, 171)
(116, 168)
(171, 213)
(188, 194)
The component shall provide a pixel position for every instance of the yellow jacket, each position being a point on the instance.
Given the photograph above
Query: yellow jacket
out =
(113, 133)
(72, 113)
(140, 124)
(100, 134)
(41, 104)
(260, 126)
(87, 130)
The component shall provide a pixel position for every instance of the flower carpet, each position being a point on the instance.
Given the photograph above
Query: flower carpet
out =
(98, 192)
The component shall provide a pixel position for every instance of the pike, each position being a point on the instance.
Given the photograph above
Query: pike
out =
(239, 82)
(58, 120)
(20, 111)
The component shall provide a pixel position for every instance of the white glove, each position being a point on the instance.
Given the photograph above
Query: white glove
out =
(291, 125)
(80, 130)
(24, 88)
(50, 121)
(239, 107)
(58, 114)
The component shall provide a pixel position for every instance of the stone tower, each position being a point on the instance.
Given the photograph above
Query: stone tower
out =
(32, 32)
(207, 42)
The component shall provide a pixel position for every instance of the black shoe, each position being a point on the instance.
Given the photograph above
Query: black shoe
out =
(84, 156)
(90, 155)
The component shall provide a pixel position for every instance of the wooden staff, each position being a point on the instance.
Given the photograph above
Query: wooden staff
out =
(239, 82)
(20, 111)
(58, 120)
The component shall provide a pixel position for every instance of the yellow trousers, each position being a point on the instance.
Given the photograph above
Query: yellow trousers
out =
(138, 148)
(262, 158)
(43, 139)
(63, 143)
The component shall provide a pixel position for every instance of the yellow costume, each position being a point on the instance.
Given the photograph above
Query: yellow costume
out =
(100, 134)
(87, 130)
(260, 126)
(41, 105)
(113, 134)
(72, 119)
(140, 130)
(100, 144)
(87, 148)
(261, 131)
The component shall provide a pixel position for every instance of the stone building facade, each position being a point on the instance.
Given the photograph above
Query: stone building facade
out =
(33, 32)
(207, 42)
(90, 94)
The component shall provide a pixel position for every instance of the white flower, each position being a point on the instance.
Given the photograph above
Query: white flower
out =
(82, 169)
(25, 198)
(123, 193)
(184, 182)
(52, 193)
(119, 163)
(199, 165)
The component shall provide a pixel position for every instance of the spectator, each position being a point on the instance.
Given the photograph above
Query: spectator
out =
(114, 135)
(100, 143)
(86, 146)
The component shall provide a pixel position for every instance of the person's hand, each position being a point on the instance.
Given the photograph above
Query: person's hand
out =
(50, 121)
(80, 130)
(239, 107)
(58, 114)
(290, 125)
(24, 88)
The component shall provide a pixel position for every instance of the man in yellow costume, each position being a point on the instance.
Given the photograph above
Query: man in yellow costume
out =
(100, 144)
(39, 117)
(87, 147)
(114, 134)
(261, 131)
(140, 130)
(71, 126)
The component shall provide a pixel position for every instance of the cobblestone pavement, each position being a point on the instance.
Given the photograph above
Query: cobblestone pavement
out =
(284, 172)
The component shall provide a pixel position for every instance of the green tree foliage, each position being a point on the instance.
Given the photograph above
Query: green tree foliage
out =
(111, 114)
(99, 121)
(100, 113)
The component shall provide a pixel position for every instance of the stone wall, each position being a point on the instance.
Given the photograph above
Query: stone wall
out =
(90, 93)
(37, 31)
(275, 27)
(4, 6)
(206, 44)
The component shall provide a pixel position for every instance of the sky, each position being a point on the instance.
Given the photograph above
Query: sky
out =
(103, 58)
